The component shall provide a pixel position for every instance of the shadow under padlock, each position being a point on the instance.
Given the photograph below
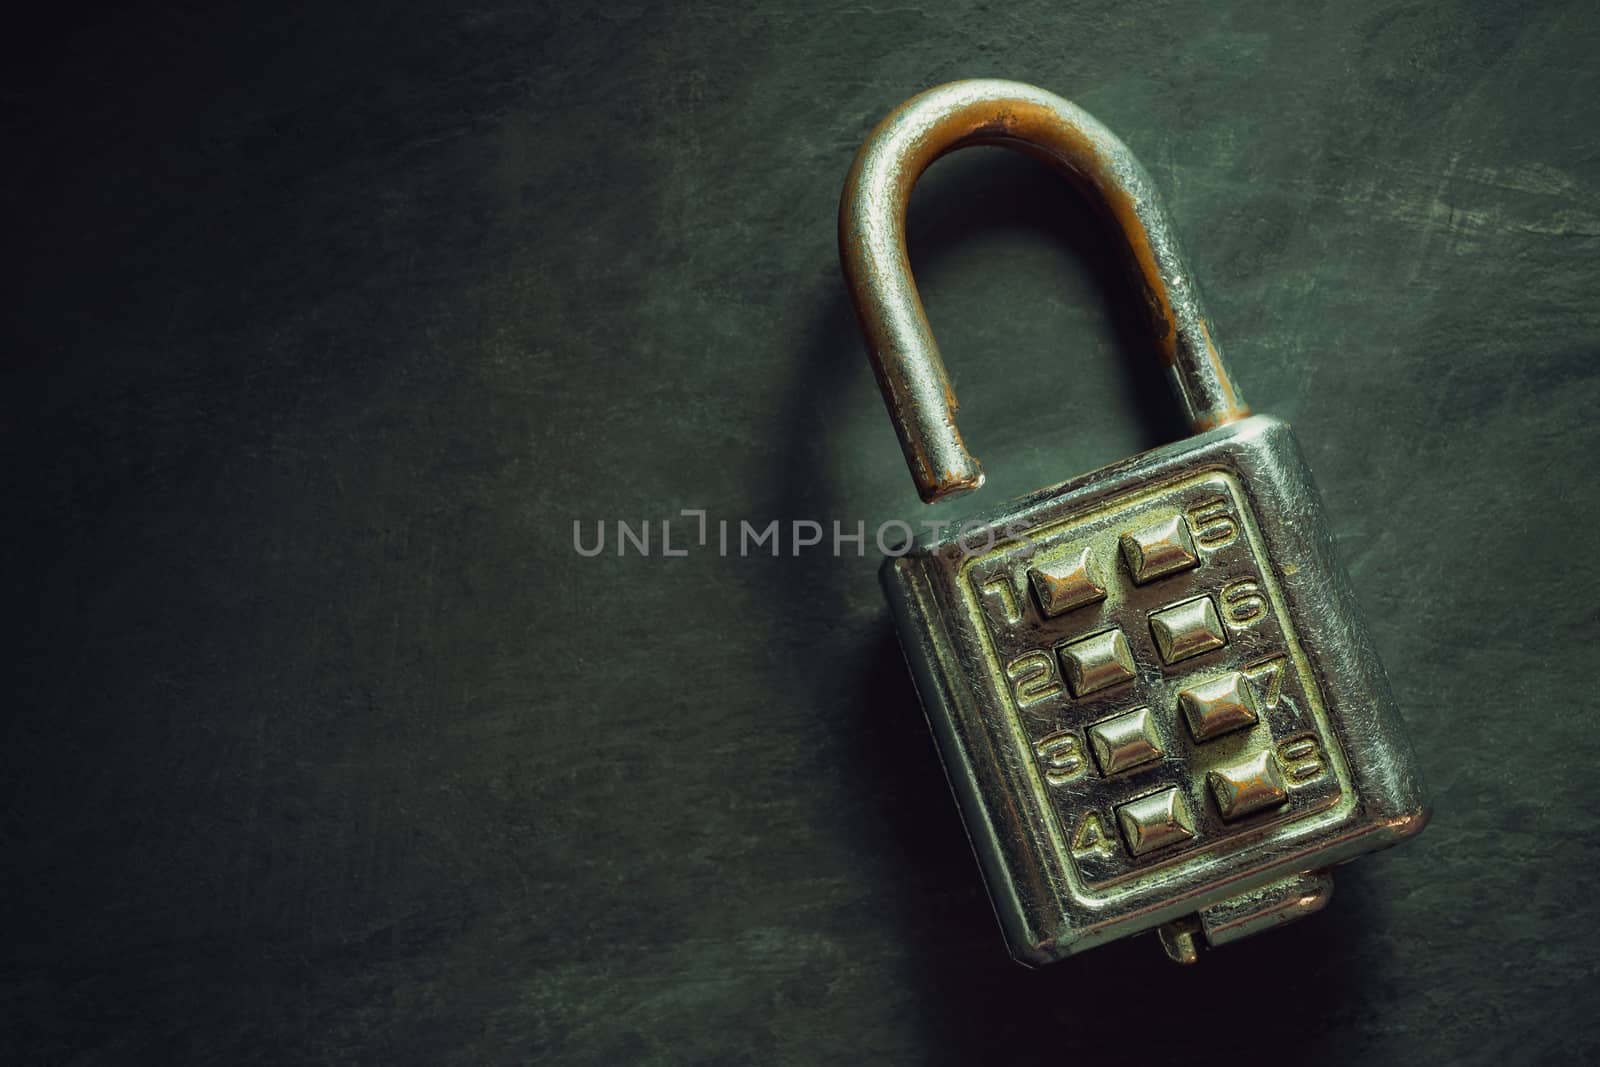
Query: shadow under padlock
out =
(1224, 525)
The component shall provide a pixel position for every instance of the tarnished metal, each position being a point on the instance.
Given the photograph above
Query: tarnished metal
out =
(1155, 698)
(872, 243)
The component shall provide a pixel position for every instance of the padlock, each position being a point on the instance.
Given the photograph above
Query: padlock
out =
(1152, 692)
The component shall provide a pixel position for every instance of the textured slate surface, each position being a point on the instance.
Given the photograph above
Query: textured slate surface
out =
(323, 745)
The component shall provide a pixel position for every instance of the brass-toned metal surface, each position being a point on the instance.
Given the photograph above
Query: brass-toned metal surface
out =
(1097, 662)
(1156, 821)
(872, 244)
(1264, 908)
(1068, 583)
(1219, 705)
(1158, 550)
(1129, 740)
(1227, 585)
(1247, 786)
(1051, 826)
(1189, 629)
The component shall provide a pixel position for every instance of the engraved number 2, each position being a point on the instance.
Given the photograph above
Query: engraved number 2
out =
(1033, 677)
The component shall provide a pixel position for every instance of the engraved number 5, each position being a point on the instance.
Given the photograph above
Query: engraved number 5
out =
(1213, 523)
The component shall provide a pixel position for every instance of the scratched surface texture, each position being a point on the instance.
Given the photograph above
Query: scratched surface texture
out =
(321, 743)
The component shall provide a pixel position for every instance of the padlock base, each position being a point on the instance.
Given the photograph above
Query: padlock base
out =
(1265, 908)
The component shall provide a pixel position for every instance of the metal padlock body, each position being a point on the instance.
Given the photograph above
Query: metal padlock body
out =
(1151, 688)
(1043, 815)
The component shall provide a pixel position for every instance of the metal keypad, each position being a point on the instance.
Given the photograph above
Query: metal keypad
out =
(1172, 712)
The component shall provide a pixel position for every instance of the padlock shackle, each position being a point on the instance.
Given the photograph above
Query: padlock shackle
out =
(872, 246)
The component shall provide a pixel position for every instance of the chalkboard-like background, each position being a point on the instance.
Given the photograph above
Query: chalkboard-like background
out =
(326, 321)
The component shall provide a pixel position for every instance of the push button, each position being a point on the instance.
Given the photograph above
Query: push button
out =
(1126, 741)
(1096, 662)
(1216, 707)
(1248, 786)
(1160, 549)
(1154, 821)
(1066, 584)
(1187, 629)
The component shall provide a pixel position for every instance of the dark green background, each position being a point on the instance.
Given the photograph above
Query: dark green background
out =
(321, 744)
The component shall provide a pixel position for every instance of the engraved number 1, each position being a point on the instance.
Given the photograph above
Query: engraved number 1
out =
(1000, 588)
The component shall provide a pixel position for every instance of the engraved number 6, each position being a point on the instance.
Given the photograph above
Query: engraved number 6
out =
(1243, 602)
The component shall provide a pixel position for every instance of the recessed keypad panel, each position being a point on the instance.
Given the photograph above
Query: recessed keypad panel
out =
(1154, 697)
(1155, 679)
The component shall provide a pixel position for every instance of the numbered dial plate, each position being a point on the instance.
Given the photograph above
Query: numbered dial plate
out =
(1172, 716)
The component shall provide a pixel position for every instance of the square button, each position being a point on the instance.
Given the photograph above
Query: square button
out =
(1125, 742)
(1159, 549)
(1219, 706)
(1155, 821)
(1066, 584)
(1096, 662)
(1187, 629)
(1248, 786)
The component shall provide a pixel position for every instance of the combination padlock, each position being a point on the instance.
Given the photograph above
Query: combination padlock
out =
(1153, 695)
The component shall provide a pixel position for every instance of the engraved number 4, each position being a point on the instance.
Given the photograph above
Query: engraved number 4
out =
(1091, 835)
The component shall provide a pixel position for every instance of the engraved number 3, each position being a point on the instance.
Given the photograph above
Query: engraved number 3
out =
(1062, 755)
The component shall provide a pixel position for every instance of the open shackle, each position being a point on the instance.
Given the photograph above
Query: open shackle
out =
(877, 267)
